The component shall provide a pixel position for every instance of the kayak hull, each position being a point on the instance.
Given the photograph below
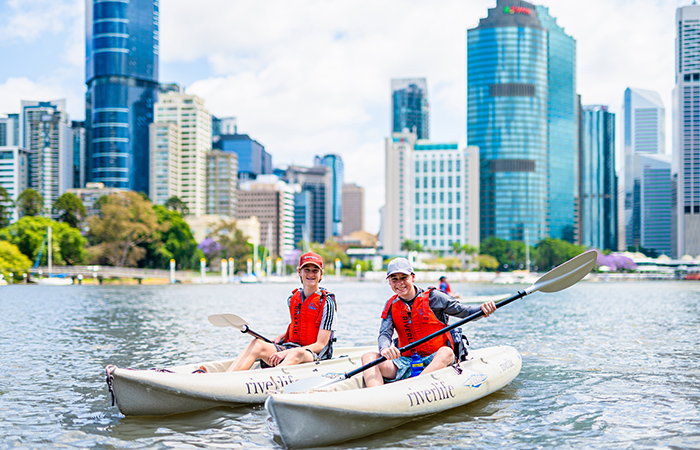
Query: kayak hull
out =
(178, 390)
(346, 410)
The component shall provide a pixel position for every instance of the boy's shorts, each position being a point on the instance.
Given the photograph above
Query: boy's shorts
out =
(403, 366)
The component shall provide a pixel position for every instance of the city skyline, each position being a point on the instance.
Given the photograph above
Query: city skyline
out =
(267, 72)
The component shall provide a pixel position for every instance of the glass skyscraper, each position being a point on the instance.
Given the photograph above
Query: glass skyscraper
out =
(686, 133)
(522, 113)
(121, 74)
(598, 181)
(335, 162)
(644, 134)
(409, 103)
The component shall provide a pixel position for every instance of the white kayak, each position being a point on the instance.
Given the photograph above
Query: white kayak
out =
(158, 392)
(347, 410)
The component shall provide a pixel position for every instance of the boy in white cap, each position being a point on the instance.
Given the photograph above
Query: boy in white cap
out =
(414, 313)
(309, 336)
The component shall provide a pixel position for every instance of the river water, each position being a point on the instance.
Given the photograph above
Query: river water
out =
(605, 365)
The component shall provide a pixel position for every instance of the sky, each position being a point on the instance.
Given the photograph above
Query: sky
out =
(312, 77)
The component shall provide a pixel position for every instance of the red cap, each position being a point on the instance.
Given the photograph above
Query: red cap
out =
(311, 258)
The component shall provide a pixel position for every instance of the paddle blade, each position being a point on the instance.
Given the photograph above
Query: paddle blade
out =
(567, 274)
(306, 384)
(228, 320)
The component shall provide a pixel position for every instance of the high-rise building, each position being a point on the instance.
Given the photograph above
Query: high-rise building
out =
(432, 194)
(14, 169)
(164, 159)
(253, 160)
(644, 119)
(598, 180)
(79, 155)
(318, 182)
(46, 134)
(686, 133)
(223, 126)
(222, 183)
(652, 206)
(121, 74)
(193, 122)
(353, 208)
(409, 104)
(272, 202)
(522, 113)
(9, 130)
(335, 163)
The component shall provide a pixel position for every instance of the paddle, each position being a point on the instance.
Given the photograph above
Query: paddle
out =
(232, 320)
(557, 279)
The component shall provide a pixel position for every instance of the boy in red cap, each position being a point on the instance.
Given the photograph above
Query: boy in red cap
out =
(309, 336)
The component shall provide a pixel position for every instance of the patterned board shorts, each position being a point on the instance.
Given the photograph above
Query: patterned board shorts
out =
(287, 345)
(403, 366)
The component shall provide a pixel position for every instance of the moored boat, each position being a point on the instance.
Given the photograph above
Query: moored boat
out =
(175, 390)
(348, 410)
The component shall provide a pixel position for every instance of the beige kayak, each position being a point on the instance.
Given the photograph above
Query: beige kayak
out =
(175, 390)
(347, 410)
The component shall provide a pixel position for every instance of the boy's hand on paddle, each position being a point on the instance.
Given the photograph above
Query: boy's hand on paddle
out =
(488, 308)
(391, 352)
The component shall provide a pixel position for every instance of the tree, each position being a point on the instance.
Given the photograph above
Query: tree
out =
(6, 207)
(552, 252)
(12, 261)
(70, 209)
(124, 222)
(411, 246)
(30, 203)
(233, 243)
(486, 263)
(330, 251)
(174, 203)
(29, 234)
(174, 240)
(510, 254)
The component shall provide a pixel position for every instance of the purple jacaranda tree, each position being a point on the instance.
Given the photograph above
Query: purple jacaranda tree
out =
(210, 248)
(615, 262)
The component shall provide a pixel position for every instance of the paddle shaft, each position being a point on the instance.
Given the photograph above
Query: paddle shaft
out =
(421, 341)
(247, 329)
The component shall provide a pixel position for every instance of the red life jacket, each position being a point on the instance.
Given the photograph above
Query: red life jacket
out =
(306, 317)
(416, 322)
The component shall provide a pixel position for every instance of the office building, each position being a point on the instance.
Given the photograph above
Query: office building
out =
(78, 142)
(318, 182)
(47, 136)
(121, 74)
(432, 194)
(272, 202)
(353, 208)
(335, 163)
(522, 114)
(223, 126)
(686, 134)
(409, 104)
(253, 160)
(644, 119)
(14, 171)
(193, 143)
(164, 160)
(598, 180)
(222, 183)
(9, 131)
(652, 206)
(91, 193)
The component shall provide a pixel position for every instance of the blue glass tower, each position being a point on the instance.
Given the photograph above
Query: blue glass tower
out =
(598, 182)
(522, 114)
(121, 74)
(335, 162)
(409, 102)
(253, 160)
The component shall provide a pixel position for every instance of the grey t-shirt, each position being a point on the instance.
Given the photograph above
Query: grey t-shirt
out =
(442, 305)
